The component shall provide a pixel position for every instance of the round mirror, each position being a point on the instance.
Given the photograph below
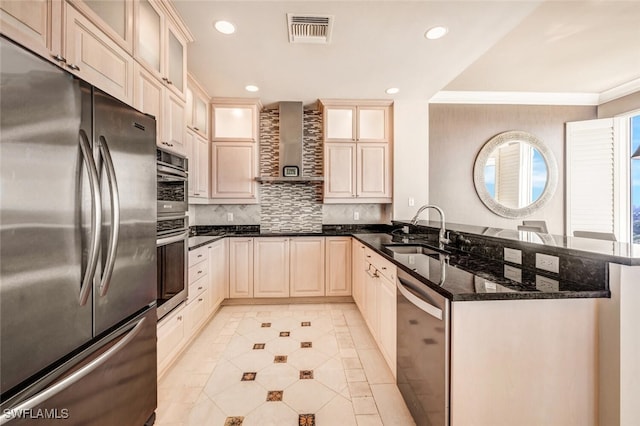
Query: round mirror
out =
(515, 174)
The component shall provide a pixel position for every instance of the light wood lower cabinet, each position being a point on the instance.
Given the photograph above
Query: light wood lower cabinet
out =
(307, 266)
(218, 271)
(271, 267)
(338, 266)
(357, 272)
(171, 336)
(378, 305)
(240, 267)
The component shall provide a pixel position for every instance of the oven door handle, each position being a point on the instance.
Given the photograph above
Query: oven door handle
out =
(170, 171)
(172, 239)
(428, 308)
(171, 178)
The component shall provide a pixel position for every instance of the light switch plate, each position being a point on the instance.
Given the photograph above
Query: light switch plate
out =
(548, 263)
(513, 255)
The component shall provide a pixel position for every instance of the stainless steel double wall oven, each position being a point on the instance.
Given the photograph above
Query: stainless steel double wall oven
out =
(172, 230)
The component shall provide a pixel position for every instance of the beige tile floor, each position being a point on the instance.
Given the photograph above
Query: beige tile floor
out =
(351, 384)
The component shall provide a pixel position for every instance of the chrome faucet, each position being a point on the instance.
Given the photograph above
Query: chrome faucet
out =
(442, 239)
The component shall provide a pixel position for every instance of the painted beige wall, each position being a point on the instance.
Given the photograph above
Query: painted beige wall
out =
(620, 106)
(457, 132)
(619, 343)
(410, 156)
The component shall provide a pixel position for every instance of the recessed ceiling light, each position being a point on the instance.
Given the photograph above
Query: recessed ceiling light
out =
(251, 88)
(392, 90)
(436, 33)
(225, 27)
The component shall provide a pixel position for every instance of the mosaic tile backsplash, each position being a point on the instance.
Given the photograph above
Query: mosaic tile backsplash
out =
(291, 207)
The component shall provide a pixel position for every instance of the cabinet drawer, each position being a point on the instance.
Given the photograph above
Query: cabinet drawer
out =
(196, 288)
(198, 255)
(385, 267)
(198, 271)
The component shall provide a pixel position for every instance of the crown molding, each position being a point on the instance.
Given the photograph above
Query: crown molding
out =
(620, 91)
(515, 98)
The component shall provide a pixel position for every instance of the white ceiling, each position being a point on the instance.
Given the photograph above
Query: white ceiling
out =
(525, 46)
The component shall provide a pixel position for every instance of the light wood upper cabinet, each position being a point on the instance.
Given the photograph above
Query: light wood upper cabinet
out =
(235, 120)
(96, 58)
(338, 266)
(340, 170)
(148, 97)
(271, 267)
(197, 150)
(357, 121)
(240, 267)
(373, 166)
(113, 17)
(173, 123)
(36, 24)
(197, 108)
(307, 266)
(357, 151)
(160, 46)
(233, 172)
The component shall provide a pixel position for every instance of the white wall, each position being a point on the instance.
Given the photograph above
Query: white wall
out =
(411, 157)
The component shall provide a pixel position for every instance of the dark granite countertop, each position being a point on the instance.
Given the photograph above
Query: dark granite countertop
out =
(609, 251)
(473, 278)
(208, 234)
(468, 277)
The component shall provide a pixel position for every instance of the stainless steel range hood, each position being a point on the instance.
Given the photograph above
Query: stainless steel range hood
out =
(290, 146)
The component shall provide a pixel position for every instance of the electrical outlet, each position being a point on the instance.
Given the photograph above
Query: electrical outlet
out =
(512, 255)
(514, 274)
(548, 263)
(356, 215)
(546, 284)
(229, 217)
(412, 202)
(405, 229)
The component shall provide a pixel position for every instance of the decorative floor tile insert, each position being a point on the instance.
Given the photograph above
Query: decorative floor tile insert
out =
(234, 421)
(305, 344)
(306, 324)
(278, 359)
(258, 346)
(274, 396)
(266, 324)
(284, 334)
(306, 374)
(306, 420)
(248, 376)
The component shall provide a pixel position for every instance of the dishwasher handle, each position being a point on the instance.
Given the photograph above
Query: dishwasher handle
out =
(426, 307)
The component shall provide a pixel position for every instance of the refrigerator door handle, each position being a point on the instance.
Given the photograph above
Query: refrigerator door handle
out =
(115, 216)
(38, 399)
(96, 218)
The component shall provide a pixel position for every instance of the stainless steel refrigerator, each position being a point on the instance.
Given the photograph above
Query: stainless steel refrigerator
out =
(77, 250)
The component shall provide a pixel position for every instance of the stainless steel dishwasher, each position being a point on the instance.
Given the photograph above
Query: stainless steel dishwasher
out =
(423, 350)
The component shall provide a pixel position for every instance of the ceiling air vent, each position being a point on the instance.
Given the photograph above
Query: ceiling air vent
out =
(309, 28)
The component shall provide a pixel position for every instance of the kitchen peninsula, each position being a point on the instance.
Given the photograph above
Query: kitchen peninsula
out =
(514, 330)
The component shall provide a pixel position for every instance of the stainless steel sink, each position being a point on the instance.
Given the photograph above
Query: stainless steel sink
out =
(412, 249)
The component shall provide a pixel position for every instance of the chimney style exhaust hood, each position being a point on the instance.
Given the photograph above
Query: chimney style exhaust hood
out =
(290, 146)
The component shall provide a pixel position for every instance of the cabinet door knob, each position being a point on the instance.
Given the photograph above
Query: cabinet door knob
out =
(73, 67)
(59, 58)
(199, 288)
(199, 272)
(199, 255)
(200, 300)
(179, 318)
